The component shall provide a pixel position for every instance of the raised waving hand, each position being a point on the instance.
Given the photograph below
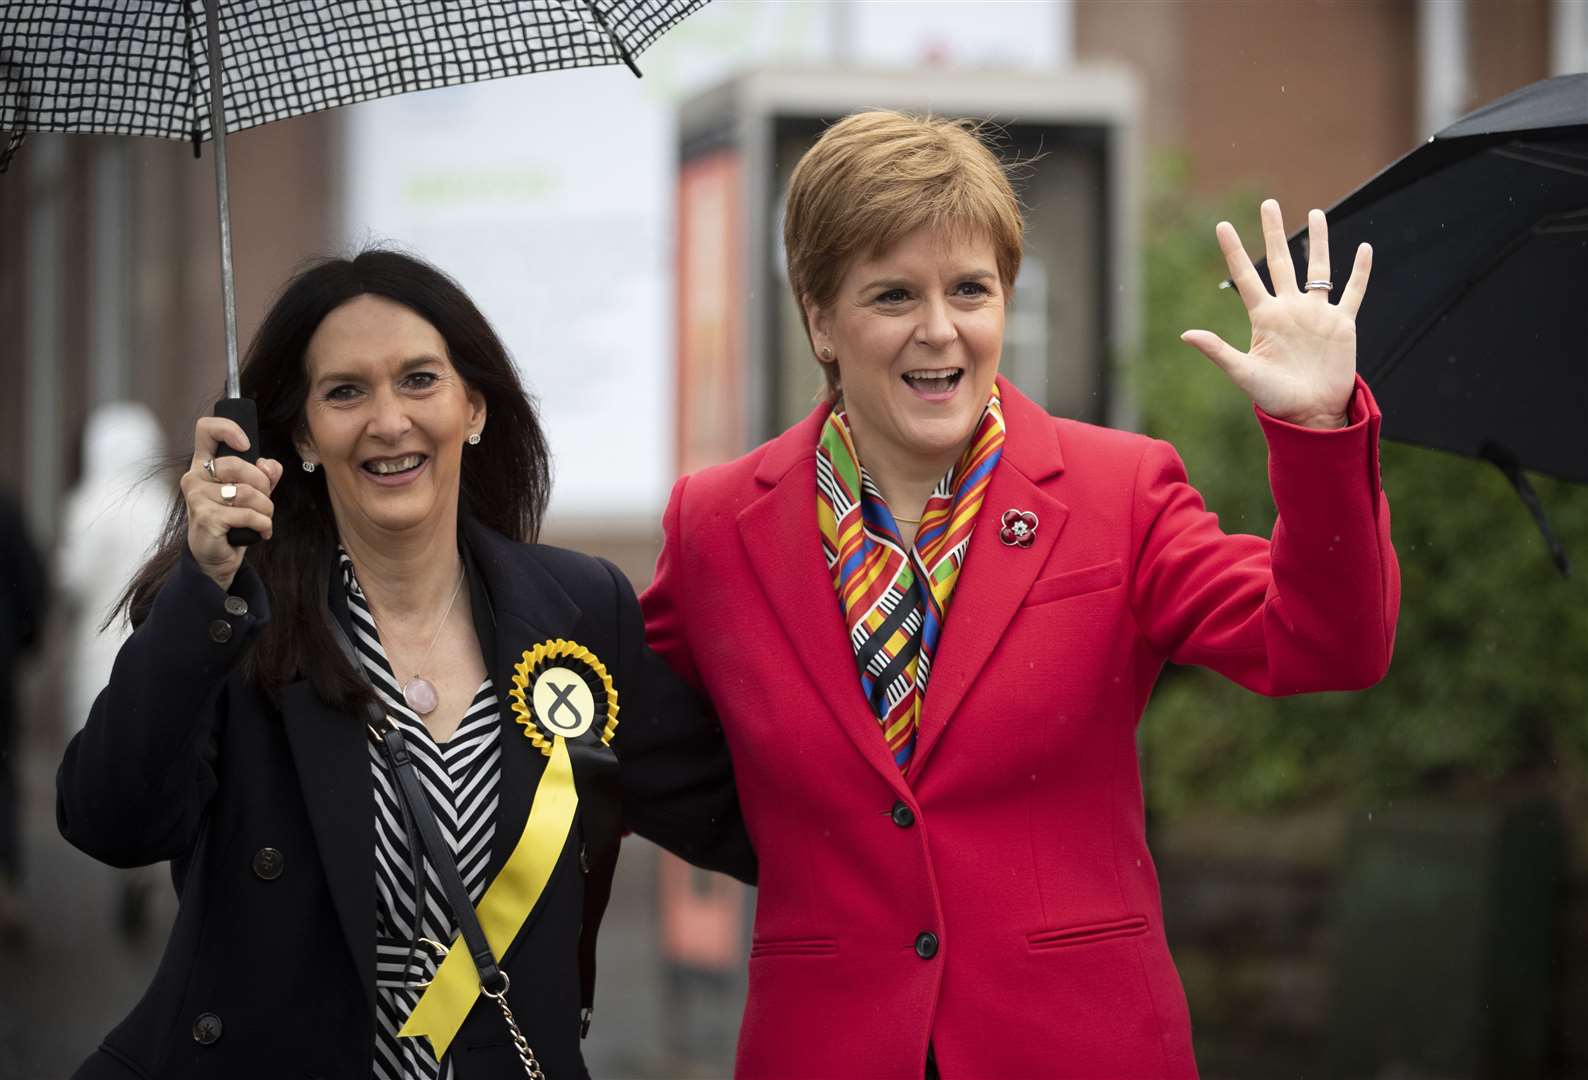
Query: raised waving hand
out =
(1301, 363)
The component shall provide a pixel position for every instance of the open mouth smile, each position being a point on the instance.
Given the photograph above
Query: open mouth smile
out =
(933, 382)
(395, 470)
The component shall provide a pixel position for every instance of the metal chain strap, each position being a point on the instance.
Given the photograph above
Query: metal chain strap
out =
(525, 1054)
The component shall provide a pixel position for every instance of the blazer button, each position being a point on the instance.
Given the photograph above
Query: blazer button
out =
(903, 816)
(220, 631)
(206, 1029)
(268, 864)
(926, 945)
(236, 605)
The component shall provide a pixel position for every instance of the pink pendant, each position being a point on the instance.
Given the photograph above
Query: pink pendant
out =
(420, 695)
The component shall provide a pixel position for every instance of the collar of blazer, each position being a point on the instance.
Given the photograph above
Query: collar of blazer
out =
(517, 604)
(781, 539)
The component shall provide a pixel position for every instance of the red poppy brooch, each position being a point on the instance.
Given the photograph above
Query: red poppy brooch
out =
(1019, 528)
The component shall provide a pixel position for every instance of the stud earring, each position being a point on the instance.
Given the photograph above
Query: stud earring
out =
(474, 439)
(308, 466)
(827, 352)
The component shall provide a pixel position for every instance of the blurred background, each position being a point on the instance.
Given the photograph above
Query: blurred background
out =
(1392, 884)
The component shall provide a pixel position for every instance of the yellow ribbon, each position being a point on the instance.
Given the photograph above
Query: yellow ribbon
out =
(504, 907)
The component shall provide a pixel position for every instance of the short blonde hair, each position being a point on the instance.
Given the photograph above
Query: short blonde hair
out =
(875, 177)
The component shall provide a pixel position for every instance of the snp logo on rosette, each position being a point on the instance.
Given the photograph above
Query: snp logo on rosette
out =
(561, 688)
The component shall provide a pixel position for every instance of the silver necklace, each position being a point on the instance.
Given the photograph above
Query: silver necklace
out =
(419, 692)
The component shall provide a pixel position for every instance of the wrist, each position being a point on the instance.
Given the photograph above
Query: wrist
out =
(220, 575)
(1318, 421)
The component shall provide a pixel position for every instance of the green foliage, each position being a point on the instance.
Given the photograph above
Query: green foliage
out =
(1490, 677)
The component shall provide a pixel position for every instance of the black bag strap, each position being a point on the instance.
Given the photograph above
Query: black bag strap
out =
(394, 744)
(493, 980)
(411, 795)
(417, 812)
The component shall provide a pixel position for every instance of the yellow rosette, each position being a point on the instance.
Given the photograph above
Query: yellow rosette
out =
(560, 690)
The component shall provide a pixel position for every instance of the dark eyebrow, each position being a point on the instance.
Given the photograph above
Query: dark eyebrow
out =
(883, 283)
(355, 376)
(900, 283)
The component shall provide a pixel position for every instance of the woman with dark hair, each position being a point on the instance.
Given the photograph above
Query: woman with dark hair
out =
(391, 723)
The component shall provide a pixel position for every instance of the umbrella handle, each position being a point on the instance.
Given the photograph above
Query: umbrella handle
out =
(245, 414)
(1508, 464)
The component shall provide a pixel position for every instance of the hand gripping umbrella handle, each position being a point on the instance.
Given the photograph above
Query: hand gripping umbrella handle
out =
(233, 406)
(242, 412)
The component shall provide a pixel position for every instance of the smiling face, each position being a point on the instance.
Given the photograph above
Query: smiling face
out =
(916, 333)
(387, 416)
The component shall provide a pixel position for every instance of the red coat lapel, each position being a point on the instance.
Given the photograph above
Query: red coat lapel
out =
(996, 577)
(781, 539)
(784, 545)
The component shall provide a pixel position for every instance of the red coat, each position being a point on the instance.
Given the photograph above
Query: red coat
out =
(1018, 839)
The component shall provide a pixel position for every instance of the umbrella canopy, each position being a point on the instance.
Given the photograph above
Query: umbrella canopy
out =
(194, 69)
(1474, 333)
(140, 67)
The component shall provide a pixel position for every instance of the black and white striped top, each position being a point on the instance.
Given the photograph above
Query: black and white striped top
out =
(460, 777)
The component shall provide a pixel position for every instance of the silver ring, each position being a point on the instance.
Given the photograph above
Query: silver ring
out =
(228, 493)
(209, 468)
(1326, 286)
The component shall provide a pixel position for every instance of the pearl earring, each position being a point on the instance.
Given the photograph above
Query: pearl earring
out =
(308, 466)
(827, 352)
(474, 439)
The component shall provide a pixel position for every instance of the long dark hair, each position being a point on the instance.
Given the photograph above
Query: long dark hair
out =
(504, 484)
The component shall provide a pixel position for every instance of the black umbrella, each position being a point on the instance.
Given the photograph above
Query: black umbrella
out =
(155, 67)
(1474, 334)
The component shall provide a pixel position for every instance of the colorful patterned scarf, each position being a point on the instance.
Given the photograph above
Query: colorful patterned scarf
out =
(894, 622)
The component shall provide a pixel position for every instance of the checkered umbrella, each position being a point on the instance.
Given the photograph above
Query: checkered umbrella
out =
(141, 67)
(155, 67)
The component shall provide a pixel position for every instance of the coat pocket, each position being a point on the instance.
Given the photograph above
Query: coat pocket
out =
(1063, 938)
(808, 946)
(1076, 582)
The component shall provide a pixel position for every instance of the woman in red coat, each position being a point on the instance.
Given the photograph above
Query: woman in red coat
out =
(930, 616)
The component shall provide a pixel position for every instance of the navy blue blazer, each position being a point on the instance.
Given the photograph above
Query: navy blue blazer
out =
(264, 804)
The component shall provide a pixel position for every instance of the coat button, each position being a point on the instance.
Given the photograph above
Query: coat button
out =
(926, 945)
(903, 816)
(206, 1029)
(220, 631)
(268, 864)
(236, 605)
